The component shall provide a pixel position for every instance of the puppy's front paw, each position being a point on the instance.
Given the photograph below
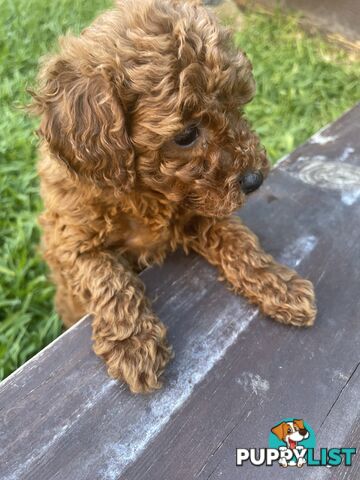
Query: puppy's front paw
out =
(299, 307)
(301, 462)
(140, 363)
(139, 360)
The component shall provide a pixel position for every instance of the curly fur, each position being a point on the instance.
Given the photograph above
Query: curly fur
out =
(119, 193)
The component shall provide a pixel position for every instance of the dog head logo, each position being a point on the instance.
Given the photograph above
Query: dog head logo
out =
(292, 438)
(291, 433)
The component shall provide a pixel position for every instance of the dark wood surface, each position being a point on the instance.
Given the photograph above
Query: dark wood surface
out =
(236, 374)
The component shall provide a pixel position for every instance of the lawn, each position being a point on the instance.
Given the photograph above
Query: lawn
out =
(303, 84)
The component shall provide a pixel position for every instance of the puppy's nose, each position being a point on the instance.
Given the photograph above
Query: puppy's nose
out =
(251, 181)
(303, 432)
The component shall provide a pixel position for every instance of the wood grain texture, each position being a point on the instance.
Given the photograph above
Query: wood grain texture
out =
(235, 374)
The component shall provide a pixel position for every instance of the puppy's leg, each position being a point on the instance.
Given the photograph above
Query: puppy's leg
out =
(276, 289)
(68, 306)
(126, 333)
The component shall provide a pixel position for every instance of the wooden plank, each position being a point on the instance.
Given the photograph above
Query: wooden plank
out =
(273, 372)
(93, 396)
(345, 422)
(235, 374)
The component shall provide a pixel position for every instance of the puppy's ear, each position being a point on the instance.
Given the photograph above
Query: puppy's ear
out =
(300, 424)
(83, 122)
(279, 430)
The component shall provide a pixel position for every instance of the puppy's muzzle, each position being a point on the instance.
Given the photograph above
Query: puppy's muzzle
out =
(251, 181)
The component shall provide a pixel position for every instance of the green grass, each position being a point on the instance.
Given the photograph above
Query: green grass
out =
(302, 85)
(28, 29)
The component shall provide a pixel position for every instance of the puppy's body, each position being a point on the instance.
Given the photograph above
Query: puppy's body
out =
(144, 149)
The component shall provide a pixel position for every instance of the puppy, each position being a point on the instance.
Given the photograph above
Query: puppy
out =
(145, 148)
(291, 432)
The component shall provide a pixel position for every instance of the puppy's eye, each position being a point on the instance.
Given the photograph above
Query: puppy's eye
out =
(187, 137)
(289, 430)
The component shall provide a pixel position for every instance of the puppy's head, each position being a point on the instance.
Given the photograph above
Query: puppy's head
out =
(149, 98)
(291, 432)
